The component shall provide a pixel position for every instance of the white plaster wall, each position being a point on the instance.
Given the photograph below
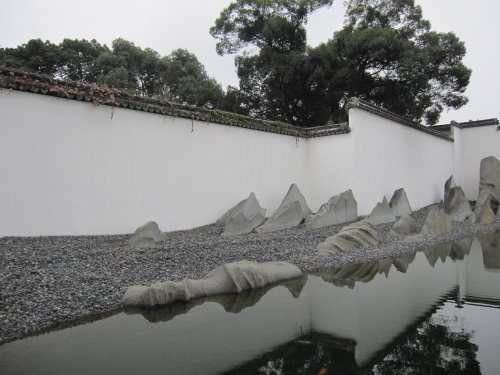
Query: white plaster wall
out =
(476, 144)
(68, 168)
(388, 156)
(329, 168)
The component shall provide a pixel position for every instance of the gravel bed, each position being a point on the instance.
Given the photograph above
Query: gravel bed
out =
(46, 281)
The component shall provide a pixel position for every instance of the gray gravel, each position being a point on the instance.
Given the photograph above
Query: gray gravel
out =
(46, 281)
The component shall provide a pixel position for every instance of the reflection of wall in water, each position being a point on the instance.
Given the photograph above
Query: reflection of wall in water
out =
(482, 284)
(366, 313)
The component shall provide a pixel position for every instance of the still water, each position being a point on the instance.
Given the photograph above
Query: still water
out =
(434, 312)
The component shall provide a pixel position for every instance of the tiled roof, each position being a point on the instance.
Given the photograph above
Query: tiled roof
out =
(475, 124)
(368, 107)
(41, 84)
(446, 128)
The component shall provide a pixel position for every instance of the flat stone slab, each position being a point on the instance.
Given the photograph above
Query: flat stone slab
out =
(457, 206)
(400, 204)
(146, 235)
(355, 235)
(339, 209)
(291, 212)
(243, 218)
(437, 222)
(229, 278)
(382, 213)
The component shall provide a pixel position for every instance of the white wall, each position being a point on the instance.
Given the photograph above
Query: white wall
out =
(68, 168)
(389, 156)
(71, 168)
(476, 143)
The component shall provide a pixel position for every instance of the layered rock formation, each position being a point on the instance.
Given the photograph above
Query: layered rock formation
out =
(399, 203)
(339, 209)
(489, 177)
(448, 185)
(382, 213)
(291, 212)
(489, 191)
(437, 222)
(146, 235)
(356, 235)
(457, 206)
(484, 208)
(228, 278)
(405, 225)
(243, 218)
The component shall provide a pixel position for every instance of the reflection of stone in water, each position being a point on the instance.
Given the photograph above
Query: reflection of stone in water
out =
(435, 253)
(353, 272)
(401, 263)
(232, 303)
(490, 243)
(384, 266)
(461, 248)
(455, 250)
(365, 272)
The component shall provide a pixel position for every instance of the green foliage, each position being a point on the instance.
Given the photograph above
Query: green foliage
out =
(178, 77)
(386, 54)
(276, 24)
(186, 81)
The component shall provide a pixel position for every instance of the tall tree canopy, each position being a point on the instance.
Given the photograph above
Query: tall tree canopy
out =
(177, 77)
(386, 53)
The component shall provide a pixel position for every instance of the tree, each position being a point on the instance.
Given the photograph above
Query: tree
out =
(35, 56)
(186, 81)
(391, 57)
(78, 59)
(273, 83)
(386, 54)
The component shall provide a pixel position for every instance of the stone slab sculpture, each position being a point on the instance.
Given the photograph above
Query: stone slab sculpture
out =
(483, 211)
(448, 185)
(291, 212)
(232, 303)
(437, 222)
(339, 209)
(229, 278)
(355, 235)
(146, 235)
(243, 218)
(489, 177)
(405, 225)
(457, 206)
(382, 213)
(400, 204)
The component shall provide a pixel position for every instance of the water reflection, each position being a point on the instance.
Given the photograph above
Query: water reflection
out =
(390, 316)
(490, 243)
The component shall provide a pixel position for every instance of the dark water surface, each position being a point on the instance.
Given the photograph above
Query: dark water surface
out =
(434, 312)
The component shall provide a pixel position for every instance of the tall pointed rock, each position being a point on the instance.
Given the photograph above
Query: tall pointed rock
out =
(291, 212)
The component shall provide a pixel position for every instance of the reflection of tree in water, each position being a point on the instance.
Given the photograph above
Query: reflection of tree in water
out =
(440, 345)
(313, 353)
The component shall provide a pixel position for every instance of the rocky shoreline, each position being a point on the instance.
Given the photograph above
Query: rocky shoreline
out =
(47, 281)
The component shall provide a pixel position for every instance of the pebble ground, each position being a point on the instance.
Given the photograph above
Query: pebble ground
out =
(47, 281)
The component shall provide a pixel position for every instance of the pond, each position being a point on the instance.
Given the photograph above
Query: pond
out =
(434, 312)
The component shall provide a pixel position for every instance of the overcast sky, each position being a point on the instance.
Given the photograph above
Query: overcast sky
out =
(164, 25)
